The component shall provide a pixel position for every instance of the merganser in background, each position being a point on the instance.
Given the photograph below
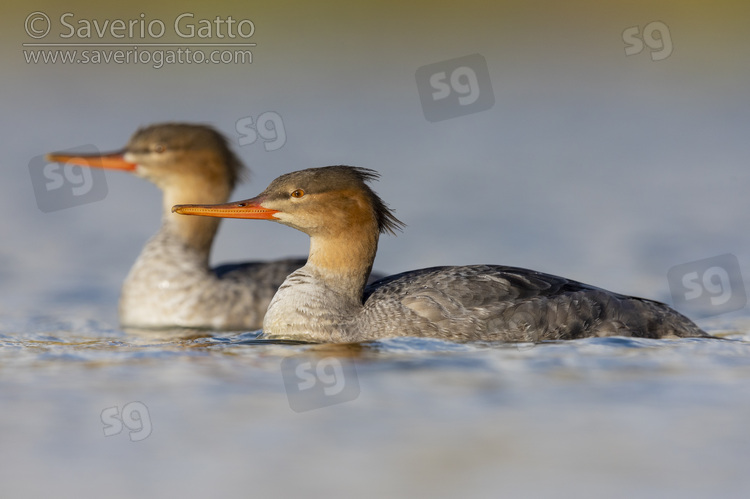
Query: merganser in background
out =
(171, 284)
(327, 301)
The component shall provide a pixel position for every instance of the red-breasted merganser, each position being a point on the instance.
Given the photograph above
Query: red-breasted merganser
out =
(171, 284)
(327, 301)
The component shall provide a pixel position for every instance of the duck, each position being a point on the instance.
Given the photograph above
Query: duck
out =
(328, 299)
(171, 284)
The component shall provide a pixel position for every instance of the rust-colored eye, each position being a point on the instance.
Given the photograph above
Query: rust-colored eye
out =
(159, 148)
(298, 193)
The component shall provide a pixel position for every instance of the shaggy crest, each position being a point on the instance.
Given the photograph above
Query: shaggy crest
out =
(340, 177)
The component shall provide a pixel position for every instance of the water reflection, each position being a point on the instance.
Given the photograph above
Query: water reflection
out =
(150, 335)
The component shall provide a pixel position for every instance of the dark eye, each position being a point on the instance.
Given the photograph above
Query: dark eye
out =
(159, 148)
(298, 193)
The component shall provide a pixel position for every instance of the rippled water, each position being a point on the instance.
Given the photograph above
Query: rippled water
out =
(90, 410)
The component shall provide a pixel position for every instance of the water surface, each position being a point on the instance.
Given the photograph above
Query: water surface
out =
(216, 415)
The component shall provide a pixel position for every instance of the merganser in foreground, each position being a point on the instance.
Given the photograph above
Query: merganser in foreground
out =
(171, 284)
(326, 300)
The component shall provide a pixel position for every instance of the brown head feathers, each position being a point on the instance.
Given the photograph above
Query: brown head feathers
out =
(335, 178)
(188, 137)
